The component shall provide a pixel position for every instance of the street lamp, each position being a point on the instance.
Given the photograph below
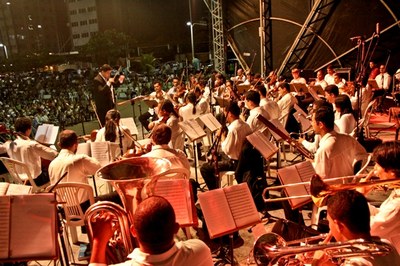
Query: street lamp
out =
(191, 25)
(5, 50)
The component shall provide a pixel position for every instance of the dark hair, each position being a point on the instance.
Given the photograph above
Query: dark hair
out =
(326, 116)
(168, 107)
(319, 103)
(112, 119)
(233, 108)
(332, 89)
(154, 221)
(262, 90)
(105, 68)
(351, 208)
(284, 85)
(191, 97)
(67, 139)
(161, 134)
(387, 155)
(253, 96)
(22, 124)
(343, 102)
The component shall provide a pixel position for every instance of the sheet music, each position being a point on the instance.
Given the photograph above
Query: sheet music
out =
(16, 189)
(242, 205)
(100, 151)
(130, 124)
(177, 192)
(33, 230)
(315, 90)
(192, 129)
(262, 144)
(295, 174)
(41, 132)
(306, 171)
(5, 207)
(210, 122)
(84, 148)
(216, 212)
(46, 133)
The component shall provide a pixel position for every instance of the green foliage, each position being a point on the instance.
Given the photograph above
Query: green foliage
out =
(107, 46)
(147, 63)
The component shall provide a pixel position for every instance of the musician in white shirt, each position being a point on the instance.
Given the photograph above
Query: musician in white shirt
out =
(346, 121)
(337, 153)
(383, 79)
(252, 103)
(114, 132)
(329, 75)
(158, 95)
(286, 101)
(385, 219)
(296, 77)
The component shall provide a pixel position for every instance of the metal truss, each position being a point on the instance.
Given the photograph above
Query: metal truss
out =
(317, 18)
(218, 35)
(266, 39)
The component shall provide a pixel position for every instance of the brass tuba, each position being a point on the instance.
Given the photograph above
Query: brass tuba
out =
(271, 249)
(132, 178)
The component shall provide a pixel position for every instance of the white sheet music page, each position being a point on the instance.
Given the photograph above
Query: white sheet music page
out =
(33, 230)
(84, 148)
(176, 191)
(262, 144)
(52, 133)
(130, 124)
(242, 205)
(17, 189)
(306, 171)
(291, 175)
(216, 212)
(5, 207)
(101, 151)
(41, 133)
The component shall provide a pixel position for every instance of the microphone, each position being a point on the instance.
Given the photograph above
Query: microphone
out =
(377, 30)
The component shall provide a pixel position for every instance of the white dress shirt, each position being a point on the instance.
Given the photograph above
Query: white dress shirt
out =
(237, 132)
(186, 112)
(337, 154)
(271, 107)
(177, 158)
(254, 123)
(346, 123)
(285, 104)
(329, 79)
(30, 153)
(385, 219)
(383, 81)
(177, 136)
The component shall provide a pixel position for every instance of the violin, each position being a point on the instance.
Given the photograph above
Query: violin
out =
(92, 136)
(137, 152)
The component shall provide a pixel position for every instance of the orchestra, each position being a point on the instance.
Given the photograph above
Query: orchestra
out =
(243, 104)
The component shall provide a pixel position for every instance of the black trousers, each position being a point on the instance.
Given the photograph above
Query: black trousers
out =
(208, 171)
(144, 119)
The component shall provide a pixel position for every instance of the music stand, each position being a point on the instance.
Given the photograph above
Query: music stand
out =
(227, 210)
(193, 131)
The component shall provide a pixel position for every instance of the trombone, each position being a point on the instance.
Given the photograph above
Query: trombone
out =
(271, 249)
(320, 189)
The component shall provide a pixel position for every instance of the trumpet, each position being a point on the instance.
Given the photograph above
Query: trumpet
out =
(320, 189)
(271, 249)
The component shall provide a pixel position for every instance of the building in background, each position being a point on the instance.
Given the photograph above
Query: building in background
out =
(34, 26)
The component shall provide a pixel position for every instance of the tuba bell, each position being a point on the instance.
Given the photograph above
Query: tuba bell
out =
(271, 249)
(131, 178)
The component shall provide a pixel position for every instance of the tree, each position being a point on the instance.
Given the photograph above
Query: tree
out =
(107, 46)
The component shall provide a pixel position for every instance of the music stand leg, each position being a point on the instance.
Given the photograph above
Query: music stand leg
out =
(231, 249)
(195, 160)
(94, 185)
(64, 253)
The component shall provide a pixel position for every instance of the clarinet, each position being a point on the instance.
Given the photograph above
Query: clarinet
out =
(306, 153)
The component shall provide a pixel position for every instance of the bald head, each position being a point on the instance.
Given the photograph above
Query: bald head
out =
(67, 139)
